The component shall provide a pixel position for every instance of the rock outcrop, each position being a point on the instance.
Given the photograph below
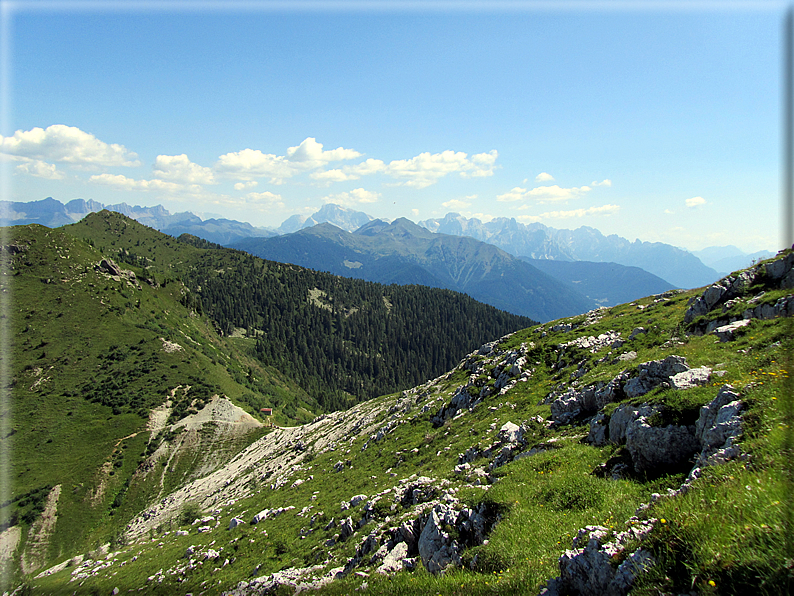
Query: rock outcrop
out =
(588, 570)
(736, 289)
(673, 371)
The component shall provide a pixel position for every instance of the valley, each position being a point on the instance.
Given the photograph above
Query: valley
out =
(585, 454)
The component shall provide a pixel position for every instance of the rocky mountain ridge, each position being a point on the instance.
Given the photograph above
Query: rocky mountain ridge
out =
(534, 241)
(537, 241)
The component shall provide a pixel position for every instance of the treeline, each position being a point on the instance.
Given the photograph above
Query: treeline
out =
(344, 340)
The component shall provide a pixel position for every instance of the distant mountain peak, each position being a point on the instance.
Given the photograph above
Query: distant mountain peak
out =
(536, 241)
(342, 217)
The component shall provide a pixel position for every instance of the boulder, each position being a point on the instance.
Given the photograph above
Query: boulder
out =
(778, 269)
(234, 522)
(599, 426)
(652, 447)
(436, 548)
(260, 516)
(622, 416)
(654, 374)
(728, 332)
(587, 570)
(691, 378)
(510, 433)
(719, 423)
(409, 532)
(637, 331)
(393, 561)
(346, 529)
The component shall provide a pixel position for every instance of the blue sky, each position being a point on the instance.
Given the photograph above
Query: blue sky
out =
(658, 122)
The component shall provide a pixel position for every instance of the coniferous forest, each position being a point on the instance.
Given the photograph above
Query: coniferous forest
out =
(343, 340)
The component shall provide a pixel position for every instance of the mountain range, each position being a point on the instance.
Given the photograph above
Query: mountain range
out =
(729, 258)
(172, 431)
(526, 241)
(51, 213)
(402, 252)
(536, 241)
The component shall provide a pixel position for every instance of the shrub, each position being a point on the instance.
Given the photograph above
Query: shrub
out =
(190, 511)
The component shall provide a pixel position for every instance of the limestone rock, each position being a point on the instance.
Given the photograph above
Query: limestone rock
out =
(599, 426)
(393, 561)
(728, 332)
(691, 378)
(653, 374)
(436, 548)
(719, 422)
(234, 522)
(346, 529)
(637, 331)
(586, 570)
(652, 447)
(510, 433)
(622, 416)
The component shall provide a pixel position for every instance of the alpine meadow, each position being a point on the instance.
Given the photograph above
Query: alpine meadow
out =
(380, 298)
(638, 448)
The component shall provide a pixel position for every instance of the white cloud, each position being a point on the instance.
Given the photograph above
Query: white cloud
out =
(123, 183)
(246, 184)
(482, 164)
(544, 177)
(66, 144)
(415, 212)
(604, 182)
(695, 201)
(265, 198)
(354, 197)
(252, 163)
(40, 169)
(180, 169)
(311, 153)
(602, 210)
(427, 168)
(333, 176)
(456, 204)
(543, 194)
(352, 172)
(668, 212)
(419, 171)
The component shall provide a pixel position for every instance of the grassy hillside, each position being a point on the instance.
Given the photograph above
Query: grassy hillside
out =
(491, 443)
(91, 355)
(343, 340)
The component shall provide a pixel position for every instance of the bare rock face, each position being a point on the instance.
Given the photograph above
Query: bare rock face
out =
(599, 427)
(659, 446)
(346, 529)
(622, 416)
(728, 332)
(587, 570)
(393, 561)
(691, 378)
(719, 423)
(436, 547)
(653, 374)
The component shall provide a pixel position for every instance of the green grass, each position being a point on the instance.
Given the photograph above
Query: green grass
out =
(724, 536)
